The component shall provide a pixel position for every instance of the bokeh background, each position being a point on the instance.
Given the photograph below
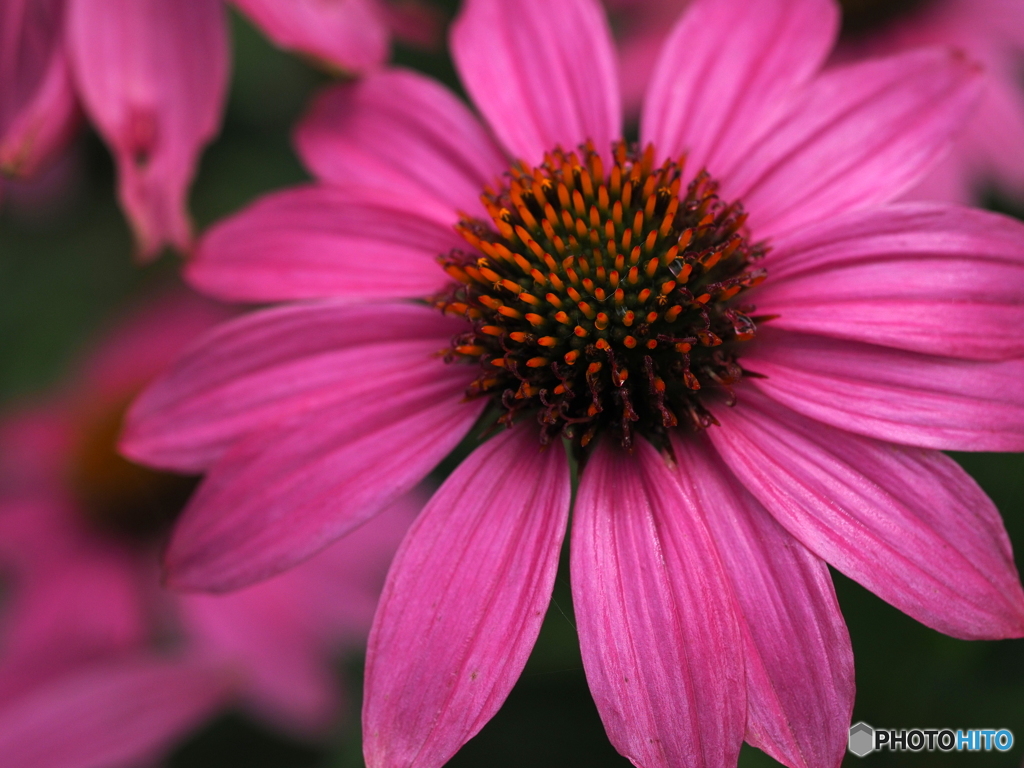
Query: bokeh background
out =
(66, 270)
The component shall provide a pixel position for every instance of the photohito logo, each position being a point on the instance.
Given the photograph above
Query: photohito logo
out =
(864, 740)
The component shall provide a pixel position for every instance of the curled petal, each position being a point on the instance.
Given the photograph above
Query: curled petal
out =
(38, 110)
(153, 78)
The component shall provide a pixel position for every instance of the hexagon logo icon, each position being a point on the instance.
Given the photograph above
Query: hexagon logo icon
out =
(862, 739)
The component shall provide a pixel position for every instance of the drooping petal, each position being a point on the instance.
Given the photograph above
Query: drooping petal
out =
(286, 492)
(861, 135)
(725, 72)
(351, 36)
(464, 601)
(38, 110)
(318, 242)
(799, 660)
(270, 366)
(542, 73)
(656, 616)
(115, 715)
(941, 280)
(153, 77)
(401, 126)
(908, 524)
(902, 397)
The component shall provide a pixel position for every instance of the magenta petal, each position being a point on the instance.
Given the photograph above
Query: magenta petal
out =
(542, 73)
(38, 111)
(403, 127)
(799, 666)
(317, 241)
(464, 601)
(656, 615)
(112, 715)
(724, 73)
(286, 492)
(860, 135)
(351, 35)
(908, 524)
(153, 78)
(937, 279)
(934, 402)
(274, 365)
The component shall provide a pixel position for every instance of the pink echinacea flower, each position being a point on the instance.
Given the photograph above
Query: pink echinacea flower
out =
(99, 666)
(152, 76)
(754, 356)
(989, 153)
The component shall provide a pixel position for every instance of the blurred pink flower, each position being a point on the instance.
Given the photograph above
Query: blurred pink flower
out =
(152, 76)
(991, 150)
(600, 297)
(99, 666)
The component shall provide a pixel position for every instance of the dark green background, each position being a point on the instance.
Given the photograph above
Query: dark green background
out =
(63, 274)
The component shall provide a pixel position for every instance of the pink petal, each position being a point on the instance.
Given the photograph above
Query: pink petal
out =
(902, 397)
(316, 241)
(860, 136)
(38, 111)
(542, 73)
(153, 78)
(724, 75)
(351, 36)
(114, 715)
(277, 364)
(464, 601)
(656, 615)
(936, 279)
(286, 492)
(908, 524)
(800, 682)
(403, 126)
(73, 608)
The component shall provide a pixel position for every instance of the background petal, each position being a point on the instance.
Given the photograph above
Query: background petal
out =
(38, 110)
(656, 616)
(351, 36)
(111, 715)
(152, 75)
(464, 601)
(543, 74)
